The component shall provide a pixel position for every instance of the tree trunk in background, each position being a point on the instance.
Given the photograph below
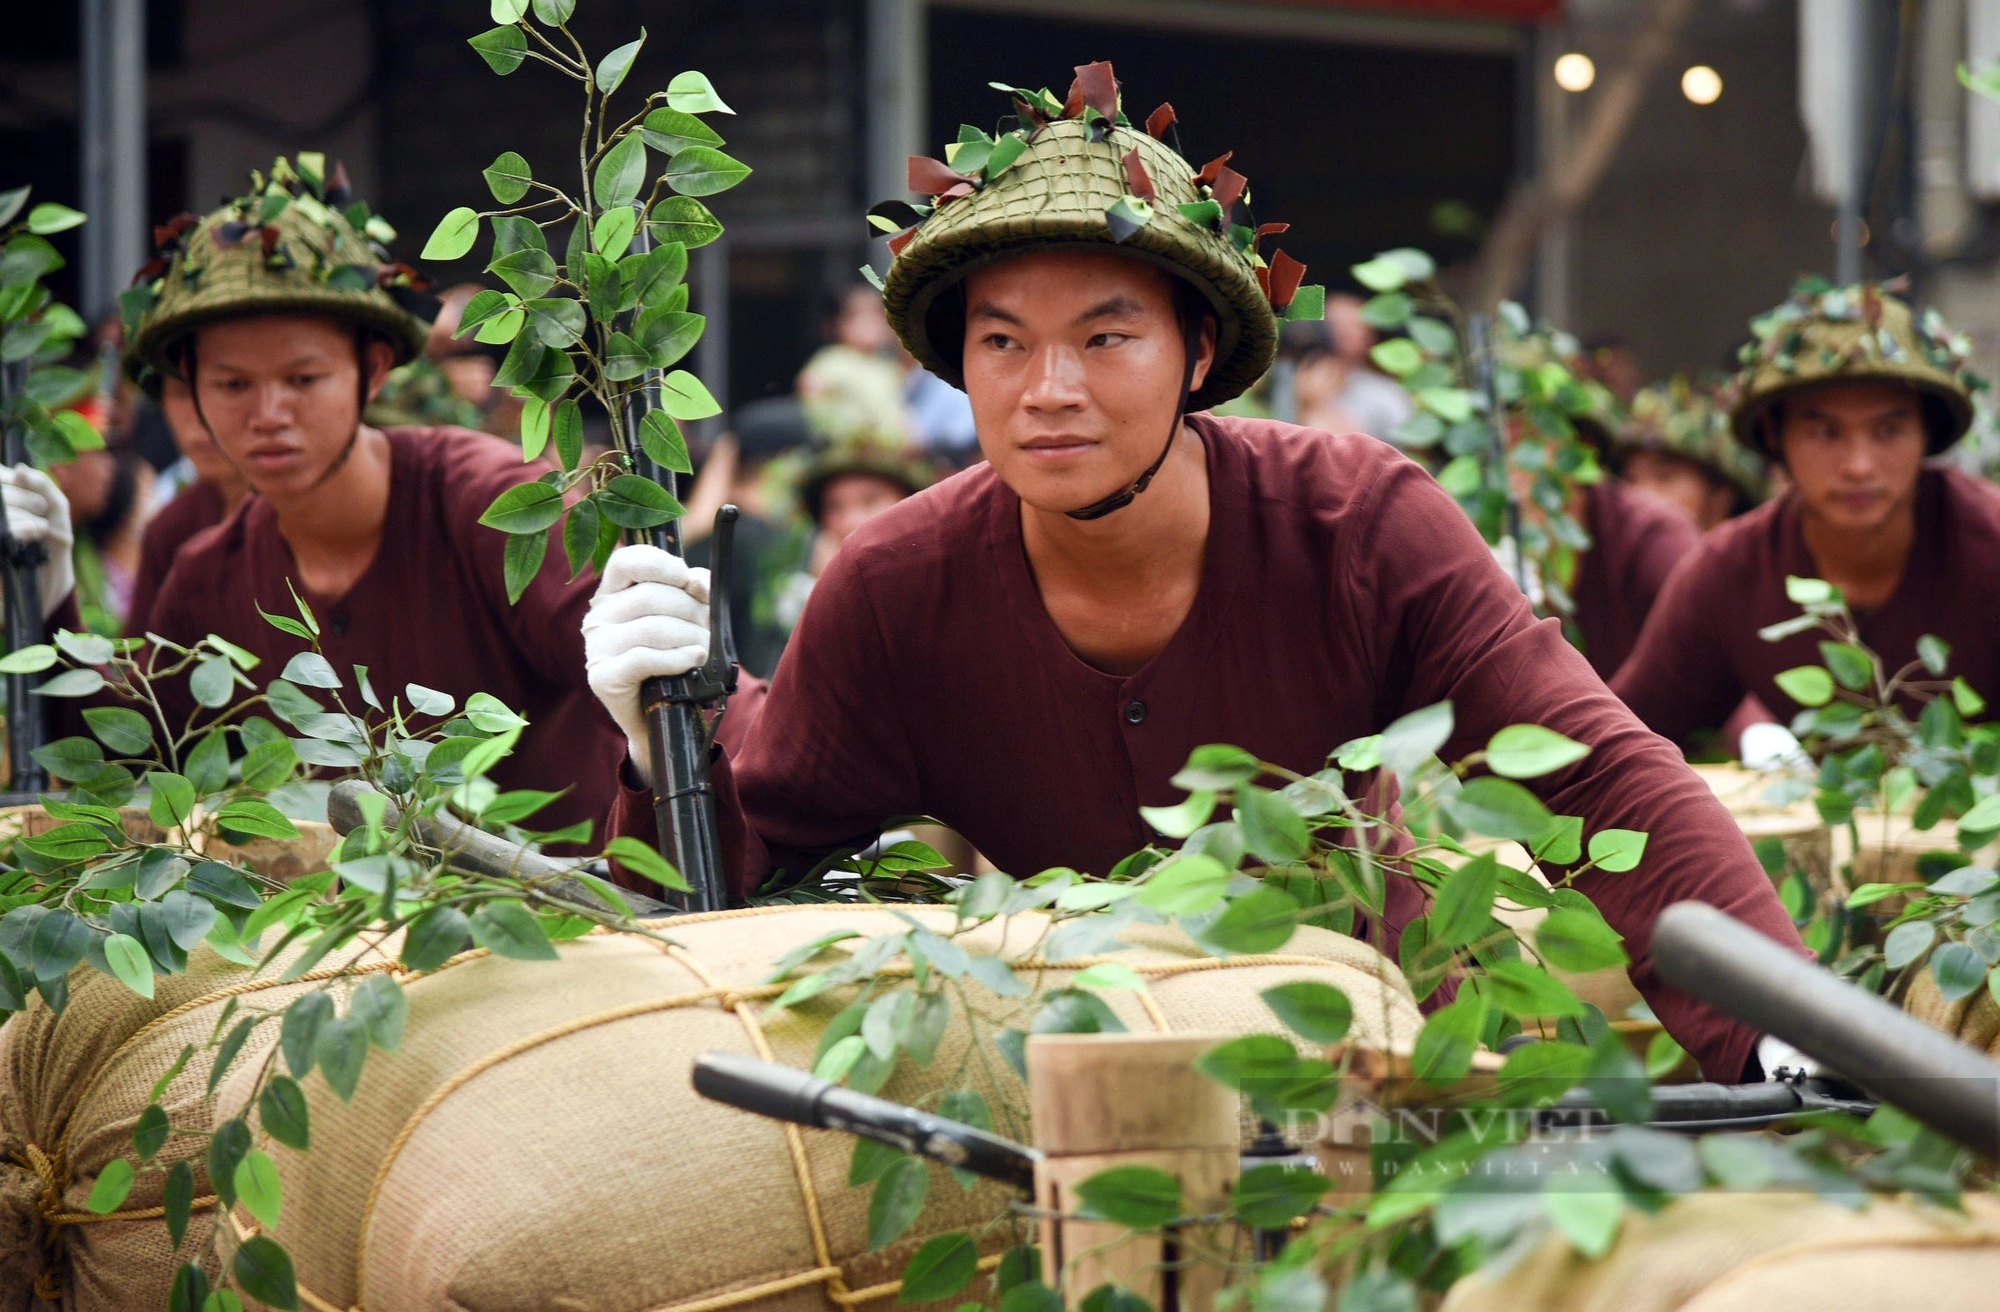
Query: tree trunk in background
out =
(1564, 183)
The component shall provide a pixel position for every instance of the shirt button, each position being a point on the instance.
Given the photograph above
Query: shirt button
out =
(337, 622)
(1135, 712)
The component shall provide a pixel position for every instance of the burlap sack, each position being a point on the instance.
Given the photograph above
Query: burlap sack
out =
(536, 1144)
(71, 1090)
(1752, 1252)
(1973, 1020)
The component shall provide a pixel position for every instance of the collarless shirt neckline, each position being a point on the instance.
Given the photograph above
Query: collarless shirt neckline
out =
(1197, 630)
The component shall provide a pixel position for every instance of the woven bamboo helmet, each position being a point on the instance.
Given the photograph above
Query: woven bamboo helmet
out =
(1690, 419)
(1077, 173)
(284, 247)
(1866, 332)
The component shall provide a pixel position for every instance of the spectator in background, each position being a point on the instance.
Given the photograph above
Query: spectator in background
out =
(848, 482)
(108, 492)
(1336, 387)
(938, 415)
(769, 542)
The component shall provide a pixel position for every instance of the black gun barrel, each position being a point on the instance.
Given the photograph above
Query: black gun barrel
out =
(1896, 1058)
(784, 1094)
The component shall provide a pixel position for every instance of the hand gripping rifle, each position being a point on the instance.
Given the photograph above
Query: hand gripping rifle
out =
(22, 562)
(677, 733)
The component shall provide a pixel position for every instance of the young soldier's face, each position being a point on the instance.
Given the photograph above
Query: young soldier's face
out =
(282, 394)
(1854, 451)
(1073, 361)
(1675, 478)
(177, 404)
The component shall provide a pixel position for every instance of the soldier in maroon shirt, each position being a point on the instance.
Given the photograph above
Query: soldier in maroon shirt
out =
(217, 490)
(376, 529)
(1850, 390)
(1029, 650)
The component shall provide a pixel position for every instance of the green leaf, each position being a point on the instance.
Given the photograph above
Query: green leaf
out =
(1463, 903)
(341, 1051)
(1137, 1197)
(177, 1200)
(704, 171)
(685, 220)
(554, 12)
(1217, 766)
(633, 502)
(1617, 850)
(1268, 1197)
(11, 202)
(1501, 808)
(1851, 665)
(281, 1109)
(1528, 992)
(620, 174)
(1393, 270)
(899, 1195)
(661, 440)
(508, 929)
(1968, 702)
(684, 398)
(1958, 971)
(49, 218)
(1315, 1011)
(1448, 1039)
(508, 11)
(1262, 920)
(643, 860)
(1528, 751)
(72, 683)
(942, 1267)
(1414, 739)
(1184, 885)
(508, 176)
(1109, 975)
(263, 1270)
(1935, 653)
(690, 93)
(1576, 939)
(131, 964)
(1588, 1217)
(151, 1131)
(56, 944)
(1809, 592)
(611, 70)
(298, 1034)
(1308, 304)
(1903, 944)
(113, 1183)
(1272, 830)
(258, 1189)
(28, 660)
(672, 130)
(435, 937)
(503, 49)
(127, 733)
(1182, 820)
(172, 801)
(380, 1004)
(251, 816)
(524, 508)
(226, 1146)
(521, 561)
(1808, 685)
(455, 232)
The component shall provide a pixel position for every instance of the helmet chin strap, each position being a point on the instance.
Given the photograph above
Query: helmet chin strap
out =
(1126, 496)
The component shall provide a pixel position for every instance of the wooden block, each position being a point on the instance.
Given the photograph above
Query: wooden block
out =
(1092, 1093)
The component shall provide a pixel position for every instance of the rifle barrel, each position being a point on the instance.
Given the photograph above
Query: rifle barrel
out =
(1948, 1086)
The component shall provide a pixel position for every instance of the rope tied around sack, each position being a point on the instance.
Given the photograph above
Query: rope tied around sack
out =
(51, 1181)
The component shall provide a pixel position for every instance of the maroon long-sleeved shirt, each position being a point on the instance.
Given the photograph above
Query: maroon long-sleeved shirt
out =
(1341, 588)
(198, 506)
(1700, 653)
(431, 609)
(1636, 540)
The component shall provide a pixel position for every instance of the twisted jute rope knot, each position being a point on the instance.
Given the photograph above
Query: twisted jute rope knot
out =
(35, 1193)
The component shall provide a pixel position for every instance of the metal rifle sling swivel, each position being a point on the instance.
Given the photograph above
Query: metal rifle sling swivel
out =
(684, 794)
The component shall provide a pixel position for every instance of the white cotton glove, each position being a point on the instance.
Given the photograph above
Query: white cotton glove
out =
(648, 619)
(37, 511)
(1767, 746)
(1774, 1055)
